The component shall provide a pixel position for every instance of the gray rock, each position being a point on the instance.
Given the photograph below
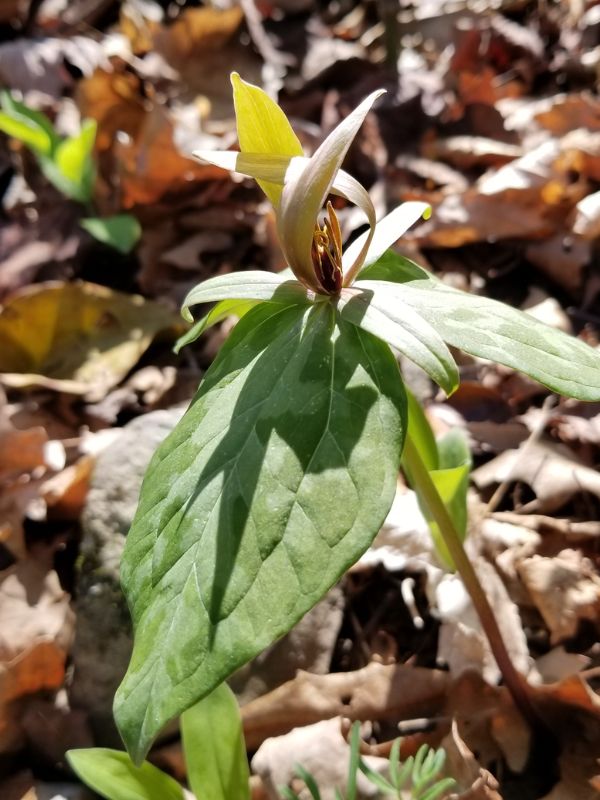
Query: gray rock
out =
(103, 631)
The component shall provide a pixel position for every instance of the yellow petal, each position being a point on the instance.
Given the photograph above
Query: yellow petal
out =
(262, 128)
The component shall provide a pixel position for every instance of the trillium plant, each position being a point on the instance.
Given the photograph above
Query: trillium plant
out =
(283, 468)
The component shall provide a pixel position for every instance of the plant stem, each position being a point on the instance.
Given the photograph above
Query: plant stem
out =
(514, 681)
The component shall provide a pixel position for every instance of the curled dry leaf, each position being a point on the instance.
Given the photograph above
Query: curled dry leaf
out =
(475, 782)
(36, 634)
(565, 590)
(553, 475)
(79, 338)
(377, 691)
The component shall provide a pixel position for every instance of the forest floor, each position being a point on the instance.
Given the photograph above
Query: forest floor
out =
(491, 115)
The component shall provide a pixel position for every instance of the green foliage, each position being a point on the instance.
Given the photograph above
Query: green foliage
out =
(68, 163)
(448, 462)
(417, 777)
(114, 776)
(275, 481)
(121, 232)
(214, 751)
(283, 468)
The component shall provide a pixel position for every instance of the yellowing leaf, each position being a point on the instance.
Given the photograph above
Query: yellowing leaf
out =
(262, 128)
(78, 338)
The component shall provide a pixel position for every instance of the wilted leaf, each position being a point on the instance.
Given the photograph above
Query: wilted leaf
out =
(77, 338)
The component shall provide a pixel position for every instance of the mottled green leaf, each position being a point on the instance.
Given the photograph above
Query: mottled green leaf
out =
(113, 775)
(493, 330)
(250, 285)
(369, 306)
(215, 752)
(274, 482)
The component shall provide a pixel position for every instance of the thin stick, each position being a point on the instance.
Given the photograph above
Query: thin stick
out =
(514, 681)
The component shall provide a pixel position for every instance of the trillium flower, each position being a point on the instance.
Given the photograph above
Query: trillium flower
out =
(298, 188)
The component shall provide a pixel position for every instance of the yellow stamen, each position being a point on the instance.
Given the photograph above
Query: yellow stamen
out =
(326, 252)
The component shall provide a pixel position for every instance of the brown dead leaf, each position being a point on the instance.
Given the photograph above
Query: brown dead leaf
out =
(377, 691)
(65, 492)
(572, 711)
(151, 164)
(587, 217)
(36, 634)
(77, 338)
(467, 152)
(528, 197)
(565, 590)
(196, 31)
(562, 257)
(475, 782)
(204, 46)
(570, 111)
(135, 139)
(488, 721)
(552, 472)
(21, 451)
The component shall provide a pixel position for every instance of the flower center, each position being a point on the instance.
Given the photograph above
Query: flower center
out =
(326, 252)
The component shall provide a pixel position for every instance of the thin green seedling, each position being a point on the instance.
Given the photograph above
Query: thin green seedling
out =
(68, 164)
(418, 775)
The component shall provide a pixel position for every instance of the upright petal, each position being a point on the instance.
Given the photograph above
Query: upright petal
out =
(303, 197)
(262, 128)
(387, 232)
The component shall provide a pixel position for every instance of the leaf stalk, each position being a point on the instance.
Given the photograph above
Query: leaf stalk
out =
(514, 681)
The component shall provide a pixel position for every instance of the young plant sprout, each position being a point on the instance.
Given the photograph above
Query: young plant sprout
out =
(281, 472)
